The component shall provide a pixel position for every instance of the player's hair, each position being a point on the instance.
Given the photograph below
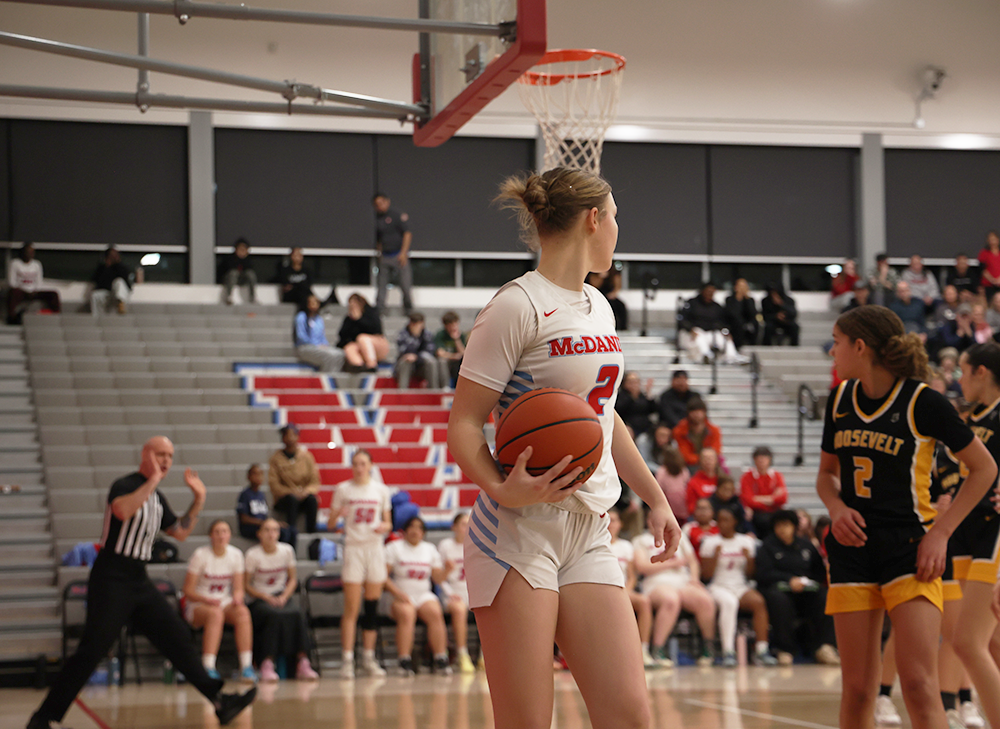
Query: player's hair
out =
(361, 452)
(414, 520)
(458, 516)
(216, 523)
(899, 352)
(550, 203)
(450, 317)
(986, 354)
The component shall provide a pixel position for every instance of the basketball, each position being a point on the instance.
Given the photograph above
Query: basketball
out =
(555, 423)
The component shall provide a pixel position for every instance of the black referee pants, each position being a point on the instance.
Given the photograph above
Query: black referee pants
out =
(116, 595)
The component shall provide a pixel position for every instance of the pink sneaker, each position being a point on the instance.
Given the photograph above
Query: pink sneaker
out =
(267, 672)
(305, 672)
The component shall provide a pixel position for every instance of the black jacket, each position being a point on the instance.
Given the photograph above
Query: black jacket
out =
(369, 323)
(779, 562)
(697, 313)
(635, 411)
(673, 406)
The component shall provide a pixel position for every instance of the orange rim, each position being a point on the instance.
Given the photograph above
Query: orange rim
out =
(543, 78)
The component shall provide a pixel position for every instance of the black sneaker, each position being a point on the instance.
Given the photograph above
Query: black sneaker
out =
(406, 664)
(37, 722)
(227, 706)
(442, 667)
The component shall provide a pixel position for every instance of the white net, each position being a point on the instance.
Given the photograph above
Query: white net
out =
(574, 97)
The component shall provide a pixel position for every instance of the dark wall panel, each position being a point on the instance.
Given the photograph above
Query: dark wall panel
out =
(448, 190)
(99, 183)
(5, 232)
(279, 188)
(661, 194)
(940, 202)
(783, 201)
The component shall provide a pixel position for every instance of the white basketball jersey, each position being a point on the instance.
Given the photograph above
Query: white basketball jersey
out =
(560, 338)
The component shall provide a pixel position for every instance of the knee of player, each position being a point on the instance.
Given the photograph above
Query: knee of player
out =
(404, 612)
(918, 683)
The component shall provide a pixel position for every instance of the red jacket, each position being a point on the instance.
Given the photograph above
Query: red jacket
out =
(771, 483)
(696, 532)
(713, 440)
(700, 486)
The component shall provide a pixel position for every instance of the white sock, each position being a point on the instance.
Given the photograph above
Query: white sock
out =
(404, 658)
(246, 659)
(463, 651)
(208, 661)
(440, 656)
(645, 647)
(762, 647)
(348, 656)
(368, 654)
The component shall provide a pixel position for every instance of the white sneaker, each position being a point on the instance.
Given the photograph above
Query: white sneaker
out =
(647, 659)
(371, 667)
(954, 719)
(971, 716)
(346, 670)
(885, 712)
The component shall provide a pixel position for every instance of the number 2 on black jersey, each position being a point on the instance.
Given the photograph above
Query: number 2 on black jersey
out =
(863, 470)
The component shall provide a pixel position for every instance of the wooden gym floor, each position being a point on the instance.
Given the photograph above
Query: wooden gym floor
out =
(804, 696)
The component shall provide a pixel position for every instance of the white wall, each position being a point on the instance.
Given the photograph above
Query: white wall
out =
(753, 71)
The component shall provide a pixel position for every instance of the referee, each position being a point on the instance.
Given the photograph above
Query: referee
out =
(120, 592)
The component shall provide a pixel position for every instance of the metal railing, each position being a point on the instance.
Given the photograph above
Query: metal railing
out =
(808, 409)
(754, 381)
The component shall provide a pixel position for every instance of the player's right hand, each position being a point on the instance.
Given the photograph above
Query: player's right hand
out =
(520, 488)
(848, 527)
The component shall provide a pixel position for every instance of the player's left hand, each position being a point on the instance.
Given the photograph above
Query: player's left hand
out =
(931, 555)
(194, 483)
(665, 530)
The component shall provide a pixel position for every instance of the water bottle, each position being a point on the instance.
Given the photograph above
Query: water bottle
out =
(115, 672)
(741, 648)
(673, 650)
(168, 672)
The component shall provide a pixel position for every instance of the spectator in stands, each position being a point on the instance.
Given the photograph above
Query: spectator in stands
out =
(294, 279)
(450, 342)
(948, 367)
(294, 480)
(361, 335)
(842, 285)
(454, 589)
(252, 510)
(882, 280)
(989, 265)
(961, 277)
(237, 270)
(910, 309)
(364, 503)
(673, 477)
(862, 296)
(703, 330)
(780, 315)
(741, 315)
(704, 481)
(959, 333)
(416, 353)
(702, 523)
(652, 448)
(311, 344)
(923, 284)
(24, 277)
(728, 562)
(981, 329)
(609, 283)
(725, 497)
(673, 403)
(696, 432)
(111, 284)
(993, 313)
(624, 552)
(805, 527)
(671, 586)
(947, 308)
(279, 626)
(792, 578)
(634, 404)
(392, 246)
(213, 596)
(763, 490)
(414, 568)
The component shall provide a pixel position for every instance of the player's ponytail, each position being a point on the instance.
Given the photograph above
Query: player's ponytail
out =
(986, 354)
(899, 352)
(550, 203)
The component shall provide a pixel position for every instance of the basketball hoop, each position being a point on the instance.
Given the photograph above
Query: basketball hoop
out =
(575, 100)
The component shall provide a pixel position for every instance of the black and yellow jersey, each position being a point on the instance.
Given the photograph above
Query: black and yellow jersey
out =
(886, 448)
(948, 474)
(985, 423)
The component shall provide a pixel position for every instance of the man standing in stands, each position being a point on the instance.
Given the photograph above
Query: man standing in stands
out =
(237, 270)
(295, 280)
(119, 591)
(294, 480)
(111, 284)
(392, 246)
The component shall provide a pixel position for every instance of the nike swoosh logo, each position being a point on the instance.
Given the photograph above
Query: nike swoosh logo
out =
(550, 313)
(837, 416)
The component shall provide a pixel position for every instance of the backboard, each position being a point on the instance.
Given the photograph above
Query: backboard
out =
(457, 75)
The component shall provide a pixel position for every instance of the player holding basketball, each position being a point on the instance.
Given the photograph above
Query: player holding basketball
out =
(537, 558)
(886, 549)
(364, 504)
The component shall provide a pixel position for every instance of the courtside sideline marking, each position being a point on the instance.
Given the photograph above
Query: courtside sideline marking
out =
(757, 714)
(87, 710)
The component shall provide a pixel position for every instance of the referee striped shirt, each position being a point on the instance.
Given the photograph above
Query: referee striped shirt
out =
(133, 538)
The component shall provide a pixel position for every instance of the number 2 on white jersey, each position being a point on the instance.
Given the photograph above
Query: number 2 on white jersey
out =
(607, 376)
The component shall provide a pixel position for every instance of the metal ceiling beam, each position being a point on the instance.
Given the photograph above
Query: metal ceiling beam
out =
(184, 10)
(290, 90)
